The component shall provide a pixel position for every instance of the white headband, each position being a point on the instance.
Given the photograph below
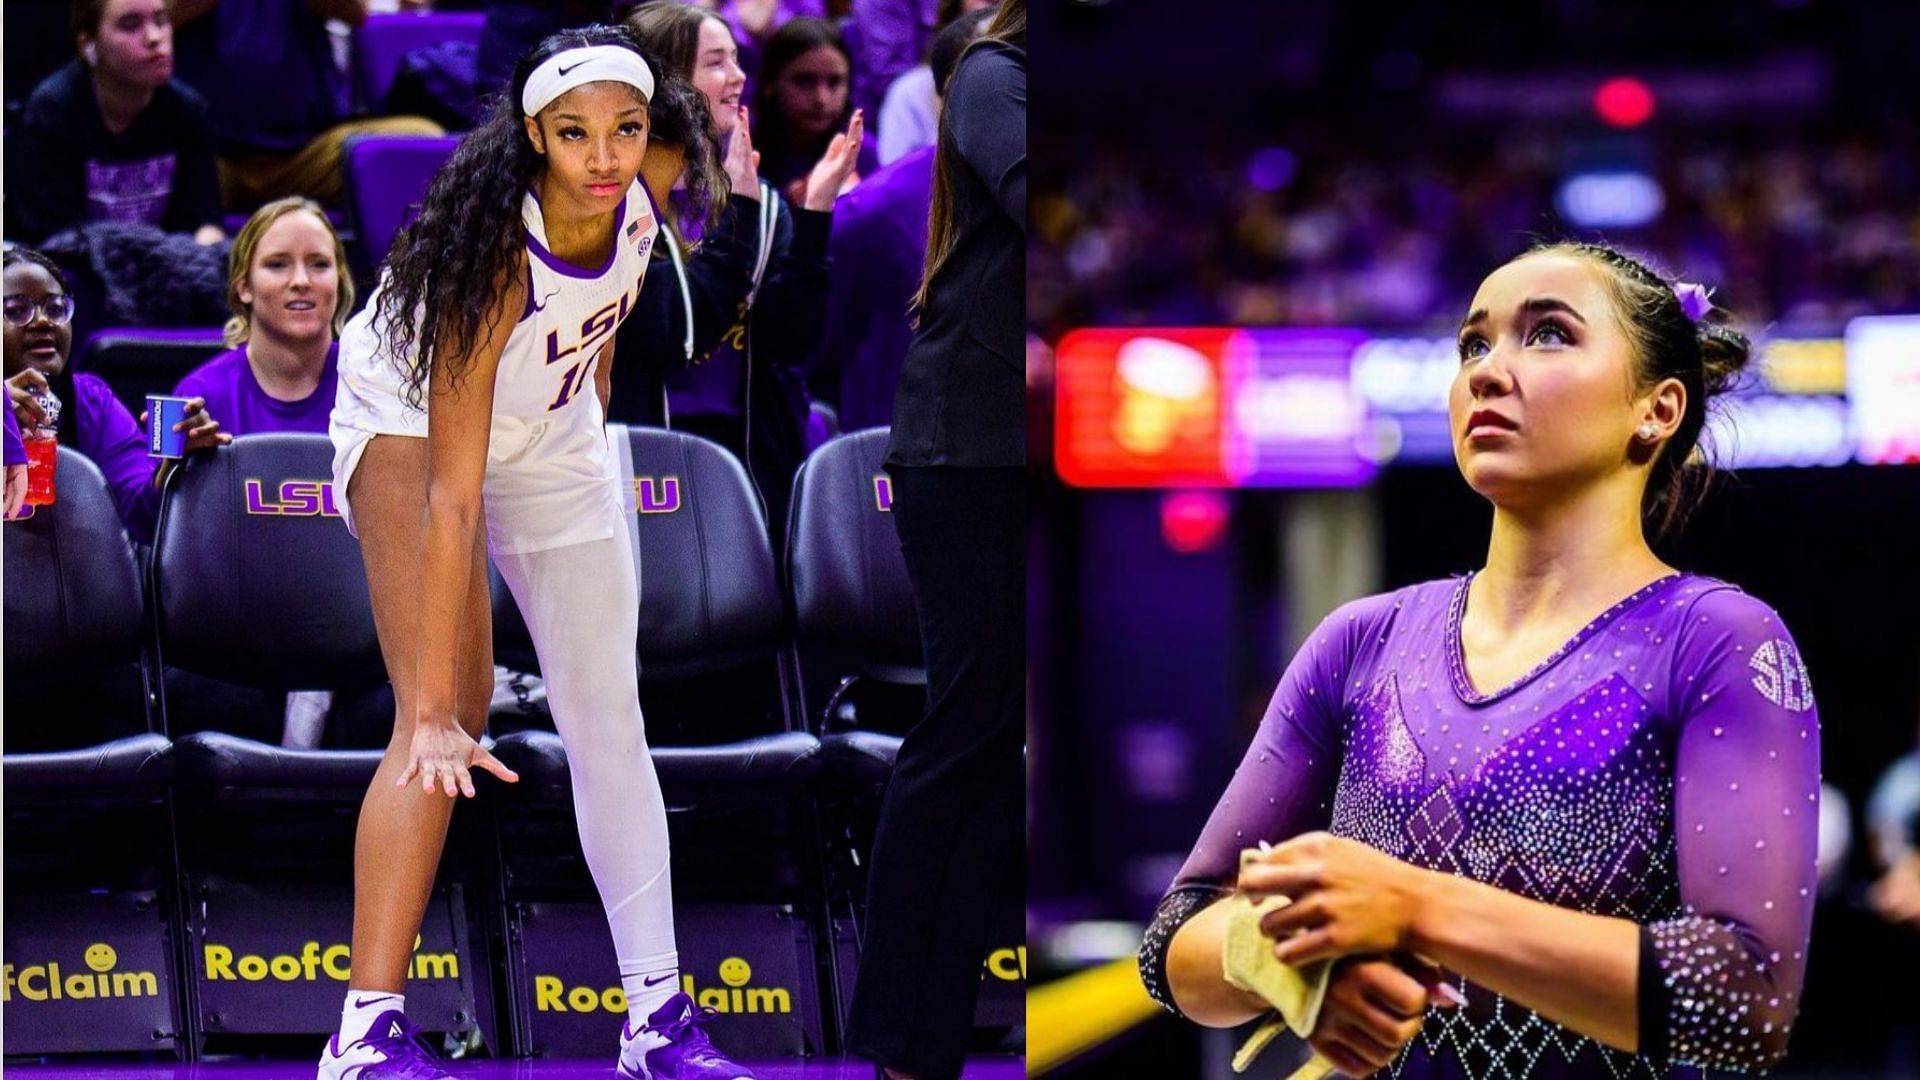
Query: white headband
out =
(569, 68)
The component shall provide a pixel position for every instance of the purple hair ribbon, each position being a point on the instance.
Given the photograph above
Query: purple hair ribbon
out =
(1695, 300)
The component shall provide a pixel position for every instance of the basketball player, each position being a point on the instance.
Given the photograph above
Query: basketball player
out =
(474, 385)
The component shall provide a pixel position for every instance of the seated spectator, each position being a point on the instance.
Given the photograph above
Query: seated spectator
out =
(39, 337)
(266, 67)
(289, 300)
(113, 136)
(759, 411)
(803, 102)
(878, 249)
(754, 22)
(910, 112)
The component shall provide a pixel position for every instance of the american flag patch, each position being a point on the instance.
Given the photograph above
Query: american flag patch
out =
(633, 228)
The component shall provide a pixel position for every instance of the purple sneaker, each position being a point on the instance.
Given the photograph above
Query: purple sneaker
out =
(672, 1046)
(392, 1049)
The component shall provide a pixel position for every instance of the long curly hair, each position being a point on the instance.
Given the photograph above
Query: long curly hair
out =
(452, 264)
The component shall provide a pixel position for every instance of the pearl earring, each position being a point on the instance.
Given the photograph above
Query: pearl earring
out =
(1647, 432)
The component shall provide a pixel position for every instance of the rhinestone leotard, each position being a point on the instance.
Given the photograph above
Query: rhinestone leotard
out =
(1662, 766)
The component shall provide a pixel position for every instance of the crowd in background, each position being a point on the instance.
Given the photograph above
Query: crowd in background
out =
(1798, 231)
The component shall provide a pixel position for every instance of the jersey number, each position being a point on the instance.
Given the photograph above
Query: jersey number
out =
(569, 385)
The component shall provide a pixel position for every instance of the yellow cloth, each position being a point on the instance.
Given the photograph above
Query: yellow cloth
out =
(1296, 994)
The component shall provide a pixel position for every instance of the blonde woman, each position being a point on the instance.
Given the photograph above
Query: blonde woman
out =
(290, 297)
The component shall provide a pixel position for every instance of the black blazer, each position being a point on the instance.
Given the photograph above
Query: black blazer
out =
(962, 395)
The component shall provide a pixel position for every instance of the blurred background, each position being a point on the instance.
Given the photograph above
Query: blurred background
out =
(1255, 228)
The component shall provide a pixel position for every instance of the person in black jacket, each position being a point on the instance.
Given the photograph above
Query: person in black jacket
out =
(957, 458)
(113, 136)
(744, 383)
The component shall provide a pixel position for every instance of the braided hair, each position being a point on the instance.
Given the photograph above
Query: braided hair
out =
(1706, 356)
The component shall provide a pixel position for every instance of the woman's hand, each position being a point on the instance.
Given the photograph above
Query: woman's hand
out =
(831, 172)
(16, 490)
(203, 431)
(1372, 1009)
(443, 752)
(742, 161)
(21, 391)
(1347, 898)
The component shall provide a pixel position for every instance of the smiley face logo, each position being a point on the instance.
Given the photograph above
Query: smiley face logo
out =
(735, 972)
(101, 957)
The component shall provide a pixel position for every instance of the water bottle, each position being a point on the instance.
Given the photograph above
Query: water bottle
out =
(43, 450)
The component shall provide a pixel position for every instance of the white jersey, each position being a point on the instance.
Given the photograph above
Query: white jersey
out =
(548, 466)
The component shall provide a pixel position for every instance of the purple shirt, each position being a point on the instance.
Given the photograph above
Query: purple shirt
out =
(16, 449)
(1662, 766)
(878, 247)
(888, 37)
(783, 12)
(235, 399)
(109, 435)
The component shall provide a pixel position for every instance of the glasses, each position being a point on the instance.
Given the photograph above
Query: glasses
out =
(58, 309)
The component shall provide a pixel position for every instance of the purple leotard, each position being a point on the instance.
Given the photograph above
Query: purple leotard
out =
(1662, 766)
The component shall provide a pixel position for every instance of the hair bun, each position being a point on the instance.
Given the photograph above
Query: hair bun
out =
(1724, 353)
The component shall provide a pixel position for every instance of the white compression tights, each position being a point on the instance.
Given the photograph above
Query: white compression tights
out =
(582, 607)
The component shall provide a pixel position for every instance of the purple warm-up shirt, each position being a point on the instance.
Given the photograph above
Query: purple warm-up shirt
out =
(235, 399)
(16, 450)
(878, 246)
(109, 435)
(1663, 766)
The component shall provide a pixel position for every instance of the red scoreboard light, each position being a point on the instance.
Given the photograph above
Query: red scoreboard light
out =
(1141, 408)
(1624, 102)
(1211, 408)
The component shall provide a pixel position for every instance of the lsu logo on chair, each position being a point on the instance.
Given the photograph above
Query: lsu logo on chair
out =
(291, 498)
(46, 982)
(734, 995)
(656, 494)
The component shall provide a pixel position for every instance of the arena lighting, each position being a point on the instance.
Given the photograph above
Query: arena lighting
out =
(1269, 408)
(1192, 522)
(1271, 168)
(1883, 383)
(1609, 200)
(1623, 102)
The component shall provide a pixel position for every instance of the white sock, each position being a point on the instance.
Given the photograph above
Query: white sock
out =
(361, 1009)
(649, 989)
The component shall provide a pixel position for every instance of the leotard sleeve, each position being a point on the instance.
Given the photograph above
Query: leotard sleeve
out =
(1721, 981)
(1282, 788)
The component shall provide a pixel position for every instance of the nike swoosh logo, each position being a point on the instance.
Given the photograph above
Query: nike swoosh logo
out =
(655, 982)
(564, 70)
(542, 305)
(364, 1002)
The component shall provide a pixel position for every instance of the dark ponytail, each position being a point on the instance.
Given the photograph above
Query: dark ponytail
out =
(1707, 357)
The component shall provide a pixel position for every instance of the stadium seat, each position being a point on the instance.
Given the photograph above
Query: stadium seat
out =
(382, 42)
(137, 361)
(386, 175)
(256, 582)
(73, 622)
(710, 647)
(862, 674)
(83, 772)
